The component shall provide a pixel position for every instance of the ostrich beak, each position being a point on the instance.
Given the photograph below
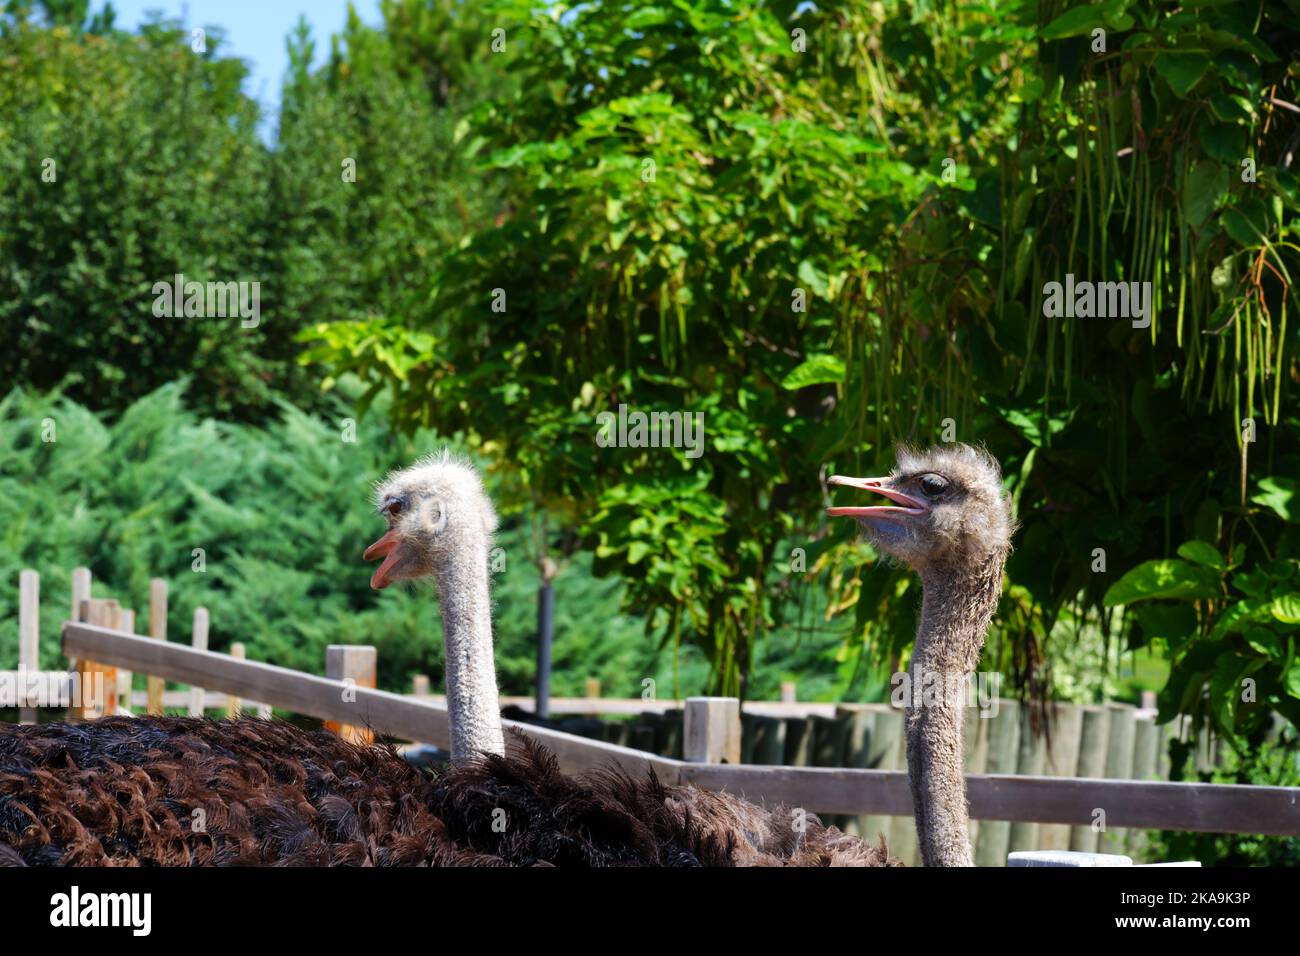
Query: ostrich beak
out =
(386, 548)
(910, 505)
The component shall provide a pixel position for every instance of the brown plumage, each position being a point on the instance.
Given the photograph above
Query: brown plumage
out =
(176, 791)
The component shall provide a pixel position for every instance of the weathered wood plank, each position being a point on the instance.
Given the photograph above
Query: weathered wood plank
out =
(612, 706)
(1215, 808)
(396, 715)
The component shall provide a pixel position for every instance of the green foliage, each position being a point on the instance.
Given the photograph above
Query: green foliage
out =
(282, 516)
(677, 189)
(1265, 764)
(677, 172)
(158, 170)
(125, 160)
(1232, 641)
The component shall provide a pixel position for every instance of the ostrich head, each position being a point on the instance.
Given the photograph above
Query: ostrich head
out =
(949, 508)
(436, 510)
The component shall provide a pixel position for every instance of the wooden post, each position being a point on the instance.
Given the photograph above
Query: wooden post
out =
(29, 636)
(158, 631)
(199, 641)
(95, 686)
(788, 692)
(233, 703)
(592, 687)
(358, 663)
(712, 731)
(420, 685)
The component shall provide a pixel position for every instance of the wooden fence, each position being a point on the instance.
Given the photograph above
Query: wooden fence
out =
(1006, 806)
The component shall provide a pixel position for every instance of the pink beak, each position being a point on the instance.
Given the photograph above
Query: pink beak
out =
(386, 548)
(910, 506)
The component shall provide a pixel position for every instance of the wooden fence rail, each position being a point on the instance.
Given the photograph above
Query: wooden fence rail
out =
(1216, 808)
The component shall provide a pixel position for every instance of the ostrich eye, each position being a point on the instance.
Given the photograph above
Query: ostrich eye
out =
(934, 485)
(393, 507)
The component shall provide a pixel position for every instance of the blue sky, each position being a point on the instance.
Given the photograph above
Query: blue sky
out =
(255, 32)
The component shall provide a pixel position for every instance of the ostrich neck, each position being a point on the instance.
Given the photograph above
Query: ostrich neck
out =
(955, 612)
(473, 708)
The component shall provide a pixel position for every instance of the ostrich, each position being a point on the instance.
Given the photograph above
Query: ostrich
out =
(952, 523)
(189, 791)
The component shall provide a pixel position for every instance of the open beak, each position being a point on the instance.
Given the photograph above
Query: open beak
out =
(909, 505)
(386, 548)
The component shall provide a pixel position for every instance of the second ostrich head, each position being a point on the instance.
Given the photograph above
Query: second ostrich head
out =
(949, 508)
(440, 526)
(950, 520)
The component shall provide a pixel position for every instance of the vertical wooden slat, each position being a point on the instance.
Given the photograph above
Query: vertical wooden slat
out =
(80, 590)
(1146, 742)
(112, 618)
(199, 641)
(29, 635)
(975, 752)
(674, 729)
(1062, 758)
(1093, 735)
(158, 631)
(1031, 758)
(80, 594)
(712, 730)
(1119, 764)
(798, 741)
(125, 677)
(901, 832)
(1003, 752)
(887, 752)
(789, 691)
(420, 685)
(358, 663)
(830, 738)
(769, 740)
(233, 703)
(857, 754)
(592, 687)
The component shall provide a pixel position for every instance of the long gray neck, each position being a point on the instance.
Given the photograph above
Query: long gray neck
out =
(473, 708)
(955, 612)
